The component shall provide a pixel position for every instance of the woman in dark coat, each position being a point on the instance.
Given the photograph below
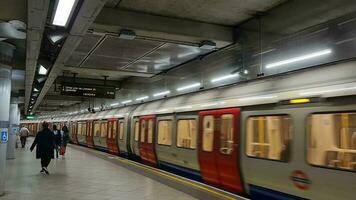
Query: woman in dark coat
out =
(44, 143)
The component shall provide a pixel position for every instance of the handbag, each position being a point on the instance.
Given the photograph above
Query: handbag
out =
(62, 150)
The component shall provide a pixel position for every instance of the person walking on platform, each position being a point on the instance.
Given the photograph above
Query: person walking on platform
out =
(44, 143)
(57, 139)
(64, 139)
(24, 132)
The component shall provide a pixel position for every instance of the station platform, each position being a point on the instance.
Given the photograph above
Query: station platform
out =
(91, 175)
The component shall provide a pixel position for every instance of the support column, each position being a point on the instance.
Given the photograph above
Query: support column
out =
(5, 92)
(6, 58)
(13, 130)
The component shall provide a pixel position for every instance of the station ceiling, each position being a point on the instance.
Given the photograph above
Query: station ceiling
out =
(166, 51)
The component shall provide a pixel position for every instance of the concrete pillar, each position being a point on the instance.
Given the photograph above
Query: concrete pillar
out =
(13, 130)
(5, 92)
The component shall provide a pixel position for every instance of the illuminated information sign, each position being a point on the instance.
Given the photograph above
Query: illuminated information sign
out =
(89, 91)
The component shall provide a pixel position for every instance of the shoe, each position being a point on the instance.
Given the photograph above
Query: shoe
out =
(46, 171)
(43, 172)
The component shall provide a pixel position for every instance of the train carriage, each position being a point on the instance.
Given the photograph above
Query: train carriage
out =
(278, 138)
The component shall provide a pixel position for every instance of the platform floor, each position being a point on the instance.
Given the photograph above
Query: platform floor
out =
(80, 175)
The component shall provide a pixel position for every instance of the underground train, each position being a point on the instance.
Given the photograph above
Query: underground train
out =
(283, 137)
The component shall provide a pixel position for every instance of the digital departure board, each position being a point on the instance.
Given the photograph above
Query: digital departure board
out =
(88, 91)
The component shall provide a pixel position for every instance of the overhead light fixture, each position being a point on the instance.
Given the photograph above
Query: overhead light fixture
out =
(114, 104)
(63, 11)
(161, 93)
(300, 58)
(245, 71)
(194, 85)
(35, 90)
(127, 34)
(213, 104)
(207, 45)
(256, 98)
(183, 107)
(316, 92)
(42, 70)
(56, 37)
(142, 98)
(127, 101)
(230, 76)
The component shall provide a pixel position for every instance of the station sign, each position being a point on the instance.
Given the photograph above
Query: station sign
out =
(4, 135)
(107, 92)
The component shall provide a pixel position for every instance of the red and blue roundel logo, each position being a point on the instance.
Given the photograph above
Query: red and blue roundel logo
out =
(300, 180)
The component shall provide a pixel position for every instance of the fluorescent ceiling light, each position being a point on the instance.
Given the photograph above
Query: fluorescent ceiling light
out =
(35, 90)
(299, 58)
(188, 86)
(127, 101)
(256, 98)
(224, 78)
(183, 107)
(316, 92)
(141, 98)
(42, 71)
(213, 104)
(114, 104)
(62, 13)
(162, 110)
(161, 93)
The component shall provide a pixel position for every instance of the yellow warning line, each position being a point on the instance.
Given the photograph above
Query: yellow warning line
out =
(191, 183)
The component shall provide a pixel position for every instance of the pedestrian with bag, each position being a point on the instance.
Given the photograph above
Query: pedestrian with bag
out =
(57, 139)
(44, 143)
(24, 133)
(64, 140)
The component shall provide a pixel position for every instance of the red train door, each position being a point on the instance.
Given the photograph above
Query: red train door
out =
(112, 135)
(218, 148)
(147, 140)
(74, 133)
(89, 134)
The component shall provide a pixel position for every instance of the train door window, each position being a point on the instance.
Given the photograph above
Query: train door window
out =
(150, 131)
(332, 140)
(121, 136)
(136, 129)
(104, 127)
(165, 132)
(114, 129)
(110, 130)
(143, 130)
(226, 134)
(187, 133)
(79, 129)
(208, 133)
(84, 129)
(96, 129)
(269, 137)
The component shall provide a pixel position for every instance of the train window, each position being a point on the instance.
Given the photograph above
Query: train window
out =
(150, 131)
(208, 133)
(143, 130)
(114, 129)
(227, 134)
(137, 127)
(269, 137)
(165, 132)
(97, 129)
(187, 133)
(332, 140)
(121, 131)
(110, 130)
(104, 131)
